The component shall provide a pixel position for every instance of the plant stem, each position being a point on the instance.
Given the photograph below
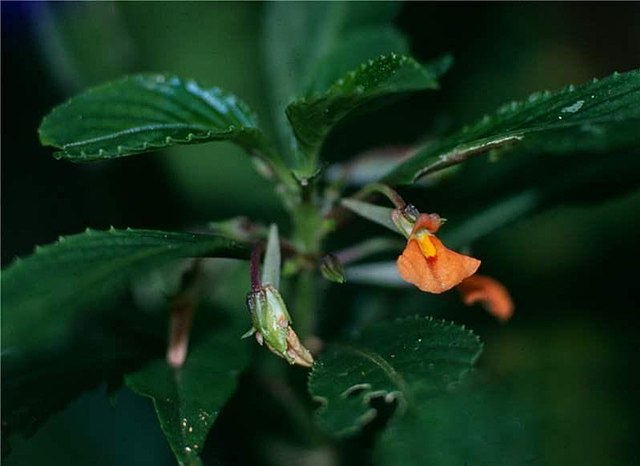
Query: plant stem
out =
(307, 236)
(304, 309)
(390, 194)
(254, 267)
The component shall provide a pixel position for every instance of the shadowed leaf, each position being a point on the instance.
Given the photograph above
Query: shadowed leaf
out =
(188, 400)
(430, 356)
(312, 117)
(66, 319)
(86, 271)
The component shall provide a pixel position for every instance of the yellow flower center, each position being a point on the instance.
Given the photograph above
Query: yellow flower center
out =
(424, 241)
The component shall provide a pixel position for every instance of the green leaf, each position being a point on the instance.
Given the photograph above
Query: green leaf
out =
(67, 323)
(141, 113)
(410, 360)
(188, 400)
(375, 213)
(595, 179)
(272, 259)
(39, 380)
(299, 36)
(313, 117)
(479, 422)
(82, 272)
(355, 48)
(600, 116)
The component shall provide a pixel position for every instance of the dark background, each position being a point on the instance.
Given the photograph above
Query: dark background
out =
(573, 344)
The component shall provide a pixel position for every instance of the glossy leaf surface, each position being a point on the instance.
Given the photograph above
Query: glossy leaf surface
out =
(354, 48)
(312, 117)
(141, 113)
(600, 116)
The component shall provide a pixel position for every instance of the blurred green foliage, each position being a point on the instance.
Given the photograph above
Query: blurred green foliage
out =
(565, 364)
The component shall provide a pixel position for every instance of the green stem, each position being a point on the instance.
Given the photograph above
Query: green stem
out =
(304, 311)
(390, 194)
(307, 236)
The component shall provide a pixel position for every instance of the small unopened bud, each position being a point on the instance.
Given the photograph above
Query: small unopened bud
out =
(331, 269)
(272, 325)
(405, 218)
(179, 329)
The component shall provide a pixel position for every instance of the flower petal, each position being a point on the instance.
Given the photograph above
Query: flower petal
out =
(431, 222)
(490, 293)
(437, 273)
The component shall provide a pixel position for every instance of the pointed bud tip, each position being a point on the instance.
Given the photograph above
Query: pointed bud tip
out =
(296, 352)
(332, 269)
(176, 356)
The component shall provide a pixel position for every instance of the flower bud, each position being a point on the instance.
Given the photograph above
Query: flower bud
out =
(405, 218)
(331, 269)
(272, 326)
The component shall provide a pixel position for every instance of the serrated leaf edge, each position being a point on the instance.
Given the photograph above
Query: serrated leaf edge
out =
(389, 396)
(43, 249)
(208, 135)
(362, 67)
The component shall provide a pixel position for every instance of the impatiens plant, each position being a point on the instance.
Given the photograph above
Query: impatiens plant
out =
(156, 310)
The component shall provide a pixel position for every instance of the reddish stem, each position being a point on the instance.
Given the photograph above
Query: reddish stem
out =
(254, 267)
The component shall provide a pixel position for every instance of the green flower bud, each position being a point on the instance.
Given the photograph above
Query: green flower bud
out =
(272, 326)
(331, 269)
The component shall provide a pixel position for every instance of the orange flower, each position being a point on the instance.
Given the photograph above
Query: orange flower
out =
(429, 264)
(490, 293)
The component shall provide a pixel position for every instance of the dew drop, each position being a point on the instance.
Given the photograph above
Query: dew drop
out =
(573, 108)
